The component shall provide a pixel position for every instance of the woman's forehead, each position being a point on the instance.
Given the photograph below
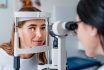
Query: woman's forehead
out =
(35, 22)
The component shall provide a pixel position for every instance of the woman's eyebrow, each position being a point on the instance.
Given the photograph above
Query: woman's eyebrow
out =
(36, 25)
(32, 25)
(43, 25)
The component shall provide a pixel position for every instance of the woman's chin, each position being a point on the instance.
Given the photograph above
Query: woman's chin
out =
(37, 44)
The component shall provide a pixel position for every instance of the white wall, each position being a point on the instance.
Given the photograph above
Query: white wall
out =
(6, 20)
(61, 10)
(64, 10)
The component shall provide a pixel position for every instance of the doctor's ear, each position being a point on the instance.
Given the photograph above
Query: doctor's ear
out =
(92, 34)
(92, 31)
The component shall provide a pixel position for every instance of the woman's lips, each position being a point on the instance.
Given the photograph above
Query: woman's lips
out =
(37, 43)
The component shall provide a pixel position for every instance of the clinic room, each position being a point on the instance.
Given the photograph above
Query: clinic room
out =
(51, 34)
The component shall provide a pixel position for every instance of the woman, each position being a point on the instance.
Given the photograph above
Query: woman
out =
(90, 31)
(31, 32)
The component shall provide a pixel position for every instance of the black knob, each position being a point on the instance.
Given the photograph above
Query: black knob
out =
(71, 25)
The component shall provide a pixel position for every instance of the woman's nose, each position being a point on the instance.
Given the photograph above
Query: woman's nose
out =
(38, 33)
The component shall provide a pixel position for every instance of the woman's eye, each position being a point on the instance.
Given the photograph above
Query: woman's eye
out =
(43, 28)
(32, 28)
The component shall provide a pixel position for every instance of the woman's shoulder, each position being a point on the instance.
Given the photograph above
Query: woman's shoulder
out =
(3, 54)
(5, 50)
(4, 57)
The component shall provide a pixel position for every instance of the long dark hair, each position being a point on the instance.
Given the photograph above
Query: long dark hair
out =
(9, 46)
(91, 12)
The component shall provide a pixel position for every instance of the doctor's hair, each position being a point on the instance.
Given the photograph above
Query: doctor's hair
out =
(9, 46)
(91, 12)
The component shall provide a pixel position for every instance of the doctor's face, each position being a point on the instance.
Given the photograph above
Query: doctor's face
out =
(32, 33)
(88, 38)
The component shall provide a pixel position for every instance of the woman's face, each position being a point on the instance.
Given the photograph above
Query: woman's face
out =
(33, 33)
(88, 37)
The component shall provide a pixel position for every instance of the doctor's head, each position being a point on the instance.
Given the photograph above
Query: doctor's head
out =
(90, 29)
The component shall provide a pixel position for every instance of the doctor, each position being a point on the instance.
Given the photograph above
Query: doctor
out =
(90, 29)
(31, 33)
